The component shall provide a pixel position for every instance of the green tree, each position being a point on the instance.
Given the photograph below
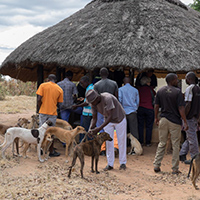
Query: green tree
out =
(196, 5)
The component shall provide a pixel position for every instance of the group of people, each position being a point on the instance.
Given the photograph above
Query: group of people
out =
(109, 108)
(178, 112)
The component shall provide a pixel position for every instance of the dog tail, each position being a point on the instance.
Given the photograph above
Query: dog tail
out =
(5, 139)
(191, 165)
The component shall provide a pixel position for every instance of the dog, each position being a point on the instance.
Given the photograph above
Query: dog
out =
(63, 124)
(34, 136)
(135, 145)
(195, 167)
(34, 122)
(46, 143)
(23, 123)
(90, 148)
(66, 136)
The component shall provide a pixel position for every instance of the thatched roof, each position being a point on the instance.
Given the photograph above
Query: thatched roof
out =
(138, 34)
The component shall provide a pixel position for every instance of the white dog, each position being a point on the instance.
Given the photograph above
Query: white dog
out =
(135, 145)
(34, 136)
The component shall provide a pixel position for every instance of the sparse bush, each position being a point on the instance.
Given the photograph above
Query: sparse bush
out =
(16, 87)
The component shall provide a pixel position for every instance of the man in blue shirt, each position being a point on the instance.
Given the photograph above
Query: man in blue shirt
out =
(129, 98)
(70, 94)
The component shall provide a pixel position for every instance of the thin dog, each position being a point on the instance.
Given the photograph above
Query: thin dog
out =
(135, 145)
(90, 148)
(195, 167)
(66, 136)
(34, 136)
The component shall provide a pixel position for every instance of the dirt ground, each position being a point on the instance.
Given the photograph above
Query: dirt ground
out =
(29, 179)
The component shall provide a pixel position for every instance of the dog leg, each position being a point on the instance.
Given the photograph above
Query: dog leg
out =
(39, 153)
(73, 163)
(25, 149)
(16, 141)
(81, 158)
(130, 150)
(194, 175)
(96, 164)
(5, 141)
(4, 149)
(92, 164)
(46, 151)
(66, 153)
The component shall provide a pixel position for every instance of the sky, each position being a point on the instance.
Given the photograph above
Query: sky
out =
(21, 19)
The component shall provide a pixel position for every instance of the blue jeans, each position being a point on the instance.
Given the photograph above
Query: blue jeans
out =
(191, 143)
(64, 114)
(86, 124)
(145, 116)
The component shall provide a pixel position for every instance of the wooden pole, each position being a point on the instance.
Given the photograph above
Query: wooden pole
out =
(58, 73)
(40, 79)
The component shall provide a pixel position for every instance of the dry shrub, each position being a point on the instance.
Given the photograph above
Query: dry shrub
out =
(16, 87)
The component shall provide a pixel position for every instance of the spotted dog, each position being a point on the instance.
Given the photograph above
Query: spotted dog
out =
(34, 136)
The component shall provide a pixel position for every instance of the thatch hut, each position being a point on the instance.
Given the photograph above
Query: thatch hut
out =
(129, 34)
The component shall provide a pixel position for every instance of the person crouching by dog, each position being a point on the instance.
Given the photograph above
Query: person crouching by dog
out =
(49, 94)
(115, 119)
(172, 104)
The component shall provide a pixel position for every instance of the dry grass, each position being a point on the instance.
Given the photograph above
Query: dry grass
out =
(17, 104)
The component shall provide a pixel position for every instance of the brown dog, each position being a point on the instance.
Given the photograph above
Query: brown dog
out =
(46, 143)
(66, 136)
(90, 148)
(63, 124)
(23, 123)
(195, 167)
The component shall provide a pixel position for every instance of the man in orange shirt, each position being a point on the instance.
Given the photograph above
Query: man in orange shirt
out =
(49, 95)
